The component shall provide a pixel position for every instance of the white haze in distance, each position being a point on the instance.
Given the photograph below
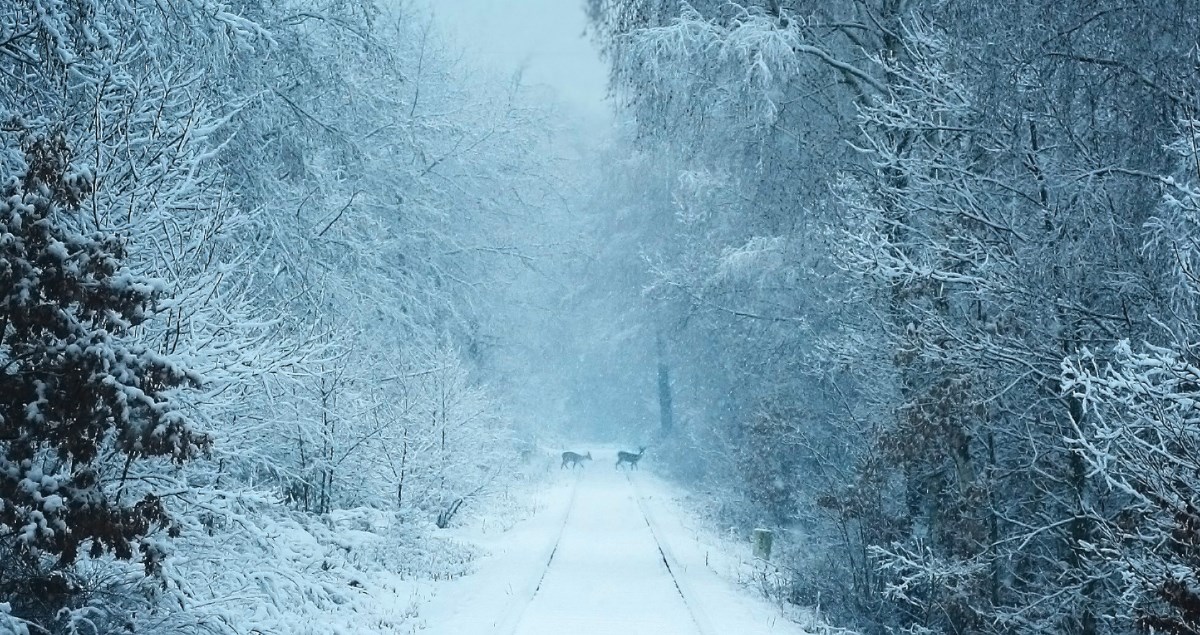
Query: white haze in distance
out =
(543, 38)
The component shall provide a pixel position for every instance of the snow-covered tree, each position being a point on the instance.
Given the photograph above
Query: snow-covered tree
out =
(316, 197)
(1141, 440)
(984, 175)
(76, 386)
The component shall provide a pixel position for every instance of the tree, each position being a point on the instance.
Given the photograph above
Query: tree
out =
(906, 384)
(75, 386)
(1143, 443)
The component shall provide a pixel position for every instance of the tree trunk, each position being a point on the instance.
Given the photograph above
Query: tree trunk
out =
(666, 417)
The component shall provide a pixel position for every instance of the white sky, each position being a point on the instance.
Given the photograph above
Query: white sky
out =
(545, 36)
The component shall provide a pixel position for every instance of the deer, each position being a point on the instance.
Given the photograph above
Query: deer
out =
(630, 458)
(575, 459)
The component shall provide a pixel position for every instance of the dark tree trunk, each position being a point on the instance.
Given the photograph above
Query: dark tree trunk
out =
(666, 417)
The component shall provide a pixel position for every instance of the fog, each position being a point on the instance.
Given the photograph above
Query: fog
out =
(578, 341)
(543, 40)
(777, 316)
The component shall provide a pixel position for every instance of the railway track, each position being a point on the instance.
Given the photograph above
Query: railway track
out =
(671, 563)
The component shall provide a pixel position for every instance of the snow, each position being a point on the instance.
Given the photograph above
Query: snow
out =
(607, 574)
(711, 570)
(10, 625)
(607, 552)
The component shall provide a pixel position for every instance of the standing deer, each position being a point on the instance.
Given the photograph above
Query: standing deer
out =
(631, 458)
(575, 459)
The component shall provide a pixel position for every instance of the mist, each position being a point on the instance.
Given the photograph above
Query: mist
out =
(594, 316)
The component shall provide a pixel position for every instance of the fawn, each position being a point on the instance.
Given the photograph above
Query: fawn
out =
(574, 459)
(630, 458)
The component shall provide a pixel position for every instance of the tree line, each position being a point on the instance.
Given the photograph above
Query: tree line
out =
(927, 277)
(249, 251)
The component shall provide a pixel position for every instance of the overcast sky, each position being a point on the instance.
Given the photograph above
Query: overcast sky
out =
(546, 36)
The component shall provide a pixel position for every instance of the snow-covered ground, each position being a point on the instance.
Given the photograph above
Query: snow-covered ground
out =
(607, 552)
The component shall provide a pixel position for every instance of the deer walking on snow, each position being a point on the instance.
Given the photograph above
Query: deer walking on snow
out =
(630, 458)
(575, 459)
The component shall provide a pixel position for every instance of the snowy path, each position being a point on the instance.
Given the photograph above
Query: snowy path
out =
(605, 556)
(607, 575)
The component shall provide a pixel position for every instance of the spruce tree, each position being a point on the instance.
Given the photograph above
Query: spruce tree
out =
(81, 400)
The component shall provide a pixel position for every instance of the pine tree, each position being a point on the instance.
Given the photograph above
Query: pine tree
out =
(80, 402)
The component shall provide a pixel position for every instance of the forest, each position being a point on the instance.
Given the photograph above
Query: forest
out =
(290, 288)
